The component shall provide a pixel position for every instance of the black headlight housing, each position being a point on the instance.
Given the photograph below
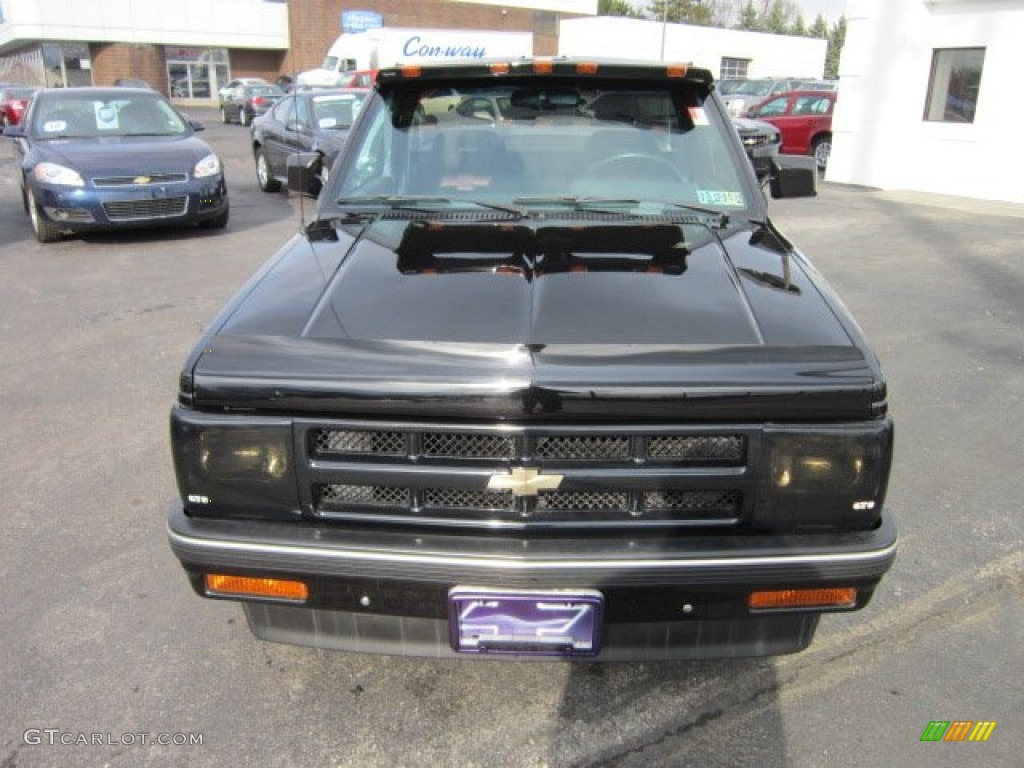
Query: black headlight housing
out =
(231, 468)
(823, 478)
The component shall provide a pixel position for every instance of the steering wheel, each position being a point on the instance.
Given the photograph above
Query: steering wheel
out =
(633, 165)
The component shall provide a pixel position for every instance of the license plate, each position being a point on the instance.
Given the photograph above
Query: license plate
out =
(525, 623)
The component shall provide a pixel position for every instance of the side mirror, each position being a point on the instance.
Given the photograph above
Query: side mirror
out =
(195, 125)
(793, 176)
(304, 172)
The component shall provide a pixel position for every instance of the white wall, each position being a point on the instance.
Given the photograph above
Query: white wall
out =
(636, 39)
(880, 137)
(199, 23)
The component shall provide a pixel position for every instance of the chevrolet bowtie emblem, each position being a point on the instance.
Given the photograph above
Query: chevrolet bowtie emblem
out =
(141, 180)
(524, 482)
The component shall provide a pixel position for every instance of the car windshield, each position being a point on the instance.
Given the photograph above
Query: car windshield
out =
(91, 116)
(754, 88)
(337, 110)
(543, 143)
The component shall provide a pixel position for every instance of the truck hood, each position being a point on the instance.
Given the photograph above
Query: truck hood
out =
(506, 321)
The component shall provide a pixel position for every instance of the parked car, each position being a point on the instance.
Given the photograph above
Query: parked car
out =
(111, 158)
(14, 101)
(132, 82)
(247, 102)
(552, 385)
(761, 143)
(817, 85)
(728, 85)
(304, 121)
(805, 120)
(226, 89)
(752, 91)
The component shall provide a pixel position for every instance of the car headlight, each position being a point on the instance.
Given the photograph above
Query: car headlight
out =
(824, 479)
(52, 173)
(208, 166)
(231, 469)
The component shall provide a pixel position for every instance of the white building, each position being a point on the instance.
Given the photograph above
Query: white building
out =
(725, 52)
(927, 100)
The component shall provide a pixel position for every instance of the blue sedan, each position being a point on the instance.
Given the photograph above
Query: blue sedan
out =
(111, 158)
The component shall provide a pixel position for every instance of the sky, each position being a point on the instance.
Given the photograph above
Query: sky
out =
(830, 9)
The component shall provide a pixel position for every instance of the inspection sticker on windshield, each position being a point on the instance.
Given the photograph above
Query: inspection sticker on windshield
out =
(698, 115)
(720, 197)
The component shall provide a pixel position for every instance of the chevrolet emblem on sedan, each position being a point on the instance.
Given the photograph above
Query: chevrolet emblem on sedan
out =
(523, 481)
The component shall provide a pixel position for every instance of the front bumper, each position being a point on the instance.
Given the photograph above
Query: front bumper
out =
(386, 592)
(85, 209)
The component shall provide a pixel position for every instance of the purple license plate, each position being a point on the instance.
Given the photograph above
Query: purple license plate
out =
(525, 623)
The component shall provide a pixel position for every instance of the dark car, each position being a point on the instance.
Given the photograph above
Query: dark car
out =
(14, 101)
(132, 82)
(761, 143)
(111, 158)
(552, 385)
(304, 121)
(805, 120)
(244, 103)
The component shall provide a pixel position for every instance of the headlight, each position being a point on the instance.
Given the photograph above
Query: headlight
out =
(208, 166)
(52, 173)
(824, 479)
(232, 468)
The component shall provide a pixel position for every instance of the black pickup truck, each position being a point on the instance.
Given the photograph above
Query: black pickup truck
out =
(539, 379)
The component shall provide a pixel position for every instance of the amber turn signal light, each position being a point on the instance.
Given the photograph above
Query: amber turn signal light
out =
(280, 589)
(780, 599)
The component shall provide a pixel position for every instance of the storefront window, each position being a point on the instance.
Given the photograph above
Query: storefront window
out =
(196, 73)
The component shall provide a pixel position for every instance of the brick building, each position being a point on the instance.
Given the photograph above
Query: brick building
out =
(190, 48)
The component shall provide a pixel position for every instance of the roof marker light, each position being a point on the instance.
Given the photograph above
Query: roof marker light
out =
(543, 66)
(411, 71)
(676, 70)
(501, 68)
(586, 68)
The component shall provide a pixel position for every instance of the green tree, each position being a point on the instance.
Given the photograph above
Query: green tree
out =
(776, 17)
(836, 40)
(617, 8)
(799, 27)
(699, 12)
(819, 28)
(749, 18)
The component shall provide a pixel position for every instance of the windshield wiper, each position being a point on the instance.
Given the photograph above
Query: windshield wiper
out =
(421, 204)
(636, 207)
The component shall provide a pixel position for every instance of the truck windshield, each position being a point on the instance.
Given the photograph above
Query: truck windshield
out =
(506, 142)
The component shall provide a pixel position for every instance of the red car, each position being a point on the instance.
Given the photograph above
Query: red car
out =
(805, 120)
(13, 103)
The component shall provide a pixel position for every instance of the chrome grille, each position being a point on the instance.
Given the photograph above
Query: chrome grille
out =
(142, 210)
(139, 180)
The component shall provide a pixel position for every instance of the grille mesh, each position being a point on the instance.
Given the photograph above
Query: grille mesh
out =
(579, 501)
(377, 443)
(726, 503)
(583, 447)
(459, 499)
(372, 495)
(468, 446)
(696, 448)
(157, 208)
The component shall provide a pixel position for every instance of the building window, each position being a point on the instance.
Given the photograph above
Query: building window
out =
(953, 86)
(733, 69)
(196, 73)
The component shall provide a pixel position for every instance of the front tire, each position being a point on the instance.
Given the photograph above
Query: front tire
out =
(243, 117)
(264, 177)
(45, 231)
(224, 115)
